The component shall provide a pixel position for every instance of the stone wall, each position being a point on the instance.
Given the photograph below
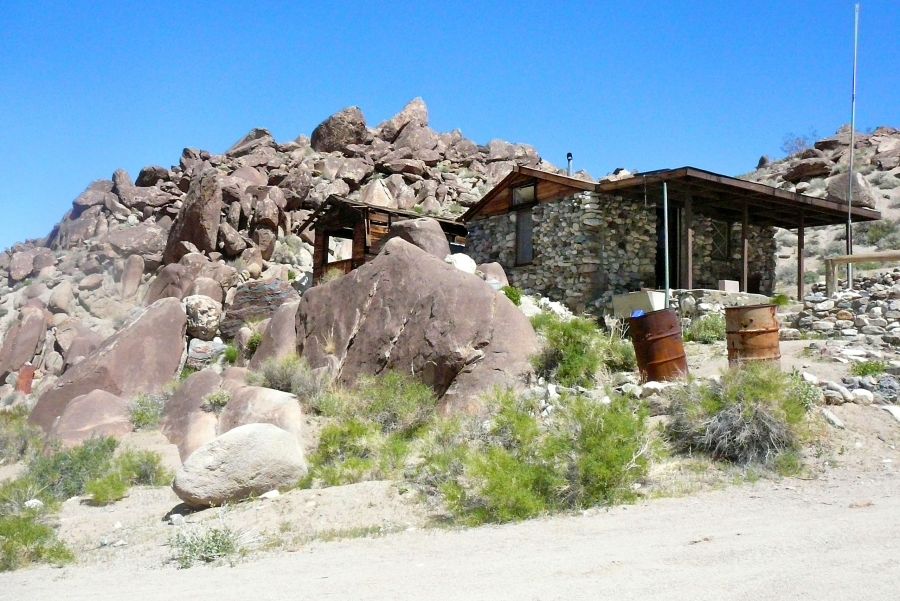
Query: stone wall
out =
(586, 248)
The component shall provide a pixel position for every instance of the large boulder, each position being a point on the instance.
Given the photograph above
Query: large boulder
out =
(246, 461)
(426, 233)
(146, 238)
(143, 356)
(198, 220)
(256, 300)
(808, 168)
(23, 340)
(186, 423)
(97, 413)
(21, 265)
(339, 130)
(409, 311)
(838, 186)
(279, 338)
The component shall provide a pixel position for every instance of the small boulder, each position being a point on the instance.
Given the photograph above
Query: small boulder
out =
(258, 405)
(426, 233)
(495, 272)
(256, 300)
(279, 338)
(248, 460)
(203, 316)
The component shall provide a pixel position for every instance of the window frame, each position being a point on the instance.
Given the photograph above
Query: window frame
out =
(720, 228)
(519, 209)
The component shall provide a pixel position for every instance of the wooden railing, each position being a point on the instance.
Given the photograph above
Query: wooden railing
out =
(832, 263)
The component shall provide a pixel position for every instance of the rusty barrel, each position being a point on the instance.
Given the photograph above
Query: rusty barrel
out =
(752, 333)
(656, 337)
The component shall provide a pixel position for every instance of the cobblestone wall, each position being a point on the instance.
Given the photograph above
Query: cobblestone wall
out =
(586, 248)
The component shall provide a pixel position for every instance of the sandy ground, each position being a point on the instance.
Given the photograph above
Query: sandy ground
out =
(703, 531)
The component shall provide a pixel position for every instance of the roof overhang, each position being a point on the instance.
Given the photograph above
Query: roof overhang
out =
(342, 202)
(723, 197)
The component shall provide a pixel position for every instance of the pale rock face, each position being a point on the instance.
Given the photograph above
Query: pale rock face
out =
(203, 316)
(97, 413)
(464, 263)
(249, 460)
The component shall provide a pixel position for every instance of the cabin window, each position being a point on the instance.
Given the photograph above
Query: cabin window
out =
(524, 195)
(721, 240)
(524, 237)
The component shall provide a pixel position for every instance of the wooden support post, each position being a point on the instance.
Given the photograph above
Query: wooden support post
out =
(689, 242)
(801, 272)
(830, 276)
(745, 247)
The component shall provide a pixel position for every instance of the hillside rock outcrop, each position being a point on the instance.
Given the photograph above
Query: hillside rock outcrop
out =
(142, 357)
(409, 311)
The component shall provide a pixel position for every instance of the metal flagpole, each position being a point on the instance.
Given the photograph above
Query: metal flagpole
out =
(852, 141)
(666, 238)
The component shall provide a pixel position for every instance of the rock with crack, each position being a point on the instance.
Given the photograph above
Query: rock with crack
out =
(409, 311)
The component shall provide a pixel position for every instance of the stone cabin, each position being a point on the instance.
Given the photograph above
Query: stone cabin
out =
(581, 242)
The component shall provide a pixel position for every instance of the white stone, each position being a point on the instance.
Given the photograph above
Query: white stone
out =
(462, 262)
(861, 396)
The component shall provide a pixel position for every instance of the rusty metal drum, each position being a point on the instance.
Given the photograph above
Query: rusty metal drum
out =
(752, 334)
(658, 346)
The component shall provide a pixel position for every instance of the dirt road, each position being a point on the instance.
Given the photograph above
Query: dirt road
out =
(837, 537)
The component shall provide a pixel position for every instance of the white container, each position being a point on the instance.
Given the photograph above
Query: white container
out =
(646, 300)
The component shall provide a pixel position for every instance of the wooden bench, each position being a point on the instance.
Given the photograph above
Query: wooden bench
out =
(832, 263)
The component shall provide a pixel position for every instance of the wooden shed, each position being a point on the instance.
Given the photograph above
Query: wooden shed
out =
(363, 227)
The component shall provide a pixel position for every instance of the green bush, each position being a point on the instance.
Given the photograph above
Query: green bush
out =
(589, 454)
(231, 354)
(253, 343)
(146, 411)
(513, 294)
(64, 473)
(186, 372)
(214, 402)
(108, 488)
(571, 353)
(707, 329)
(781, 300)
(869, 368)
(754, 414)
(292, 374)
(204, 545)
(18, 438)
(24, 540)
(374, 424)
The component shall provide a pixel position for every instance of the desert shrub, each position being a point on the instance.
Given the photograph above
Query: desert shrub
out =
(18, 438)
(869, 368)
(204, 545)
(186, 372)
(781, 300)
(146, 411)
(108, 488)
(521, 466)
(755, 413)
(788, 463)
(571, 353)
(374, 425)
(617, 353)
(793, 143)
(25, 540)
(513, 294)
(253, 343)
(214, 402)
(331, 275)
(707, 329)
(231, 354)
(64, 473)
(129, 468)
(292, 374)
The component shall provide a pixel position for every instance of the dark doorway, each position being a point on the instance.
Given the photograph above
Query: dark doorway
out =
(674, 246)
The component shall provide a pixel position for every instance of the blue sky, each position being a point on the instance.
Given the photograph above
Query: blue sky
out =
(87, 87)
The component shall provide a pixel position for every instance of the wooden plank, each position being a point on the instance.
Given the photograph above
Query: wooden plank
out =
(801, 272)
(745, 248)
(688, 278)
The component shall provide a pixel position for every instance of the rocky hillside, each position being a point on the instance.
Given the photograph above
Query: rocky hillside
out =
(822, 171)
(220, 233)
